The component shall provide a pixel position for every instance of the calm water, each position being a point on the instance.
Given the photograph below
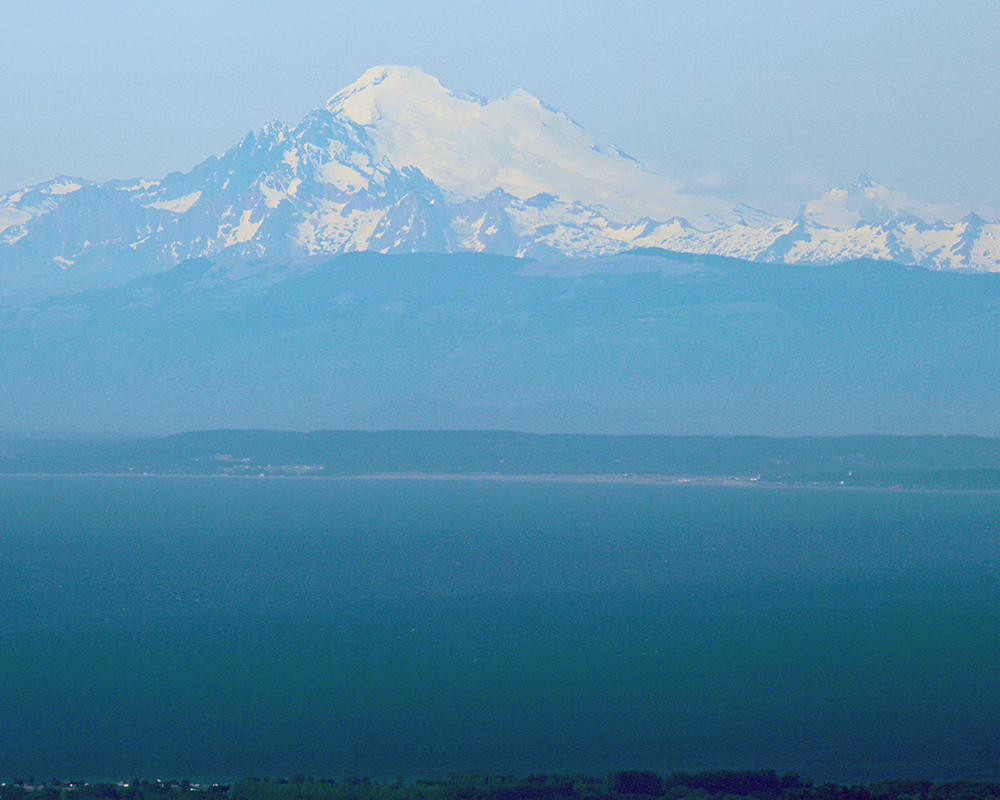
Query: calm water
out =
(218, 628)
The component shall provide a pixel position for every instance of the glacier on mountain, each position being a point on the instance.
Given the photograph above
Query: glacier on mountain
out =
(397, 163)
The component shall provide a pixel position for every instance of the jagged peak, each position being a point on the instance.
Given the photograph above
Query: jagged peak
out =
(541, 200)
(863, 182)
(274, 127)
(499, 195)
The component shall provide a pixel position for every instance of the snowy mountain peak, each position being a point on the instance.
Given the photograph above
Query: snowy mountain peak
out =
(387, 85)
(469, 146)
(396, 162)
(379, 75)
(869, 203)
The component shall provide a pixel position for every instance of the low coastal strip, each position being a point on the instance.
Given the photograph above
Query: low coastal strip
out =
(921, 462)
(764, 784)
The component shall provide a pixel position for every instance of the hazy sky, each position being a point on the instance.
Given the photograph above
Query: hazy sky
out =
(752, 98)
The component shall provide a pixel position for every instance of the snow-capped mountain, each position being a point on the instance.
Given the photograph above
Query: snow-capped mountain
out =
(471, 146)
(397, 163)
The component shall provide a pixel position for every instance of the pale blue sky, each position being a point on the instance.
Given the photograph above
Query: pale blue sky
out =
(775, 100)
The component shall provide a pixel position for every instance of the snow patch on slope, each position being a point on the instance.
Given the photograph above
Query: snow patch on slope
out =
(64, 187)
(11, 217)
(178, 205)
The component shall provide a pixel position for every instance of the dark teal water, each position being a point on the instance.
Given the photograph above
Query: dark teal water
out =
(213, 628)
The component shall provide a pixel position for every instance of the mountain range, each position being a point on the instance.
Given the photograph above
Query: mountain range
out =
(407, 257)
(396, 163)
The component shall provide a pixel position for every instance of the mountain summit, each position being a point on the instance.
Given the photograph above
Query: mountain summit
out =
(470, 146)
(396, 162)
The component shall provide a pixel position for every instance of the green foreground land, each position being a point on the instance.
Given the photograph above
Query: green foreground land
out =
(941, 462)
(623, 785)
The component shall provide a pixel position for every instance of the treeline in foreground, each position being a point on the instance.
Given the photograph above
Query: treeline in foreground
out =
(623, 785)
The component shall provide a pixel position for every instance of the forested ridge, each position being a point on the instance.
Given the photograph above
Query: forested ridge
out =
(621, 785)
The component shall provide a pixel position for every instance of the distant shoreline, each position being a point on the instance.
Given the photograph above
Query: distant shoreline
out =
(953, 463)
(671, 480)
(634, 479)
